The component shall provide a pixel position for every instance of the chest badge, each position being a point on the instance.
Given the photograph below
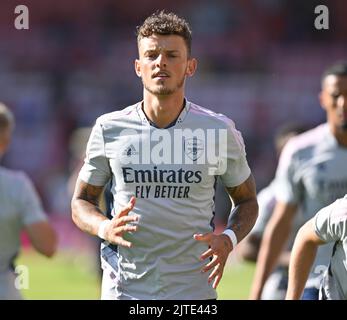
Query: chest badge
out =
(193, 148)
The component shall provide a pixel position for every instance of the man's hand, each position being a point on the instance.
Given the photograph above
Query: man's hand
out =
(220, 247)
(118, 225)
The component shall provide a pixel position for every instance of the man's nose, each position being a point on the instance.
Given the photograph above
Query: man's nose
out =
(161, 61)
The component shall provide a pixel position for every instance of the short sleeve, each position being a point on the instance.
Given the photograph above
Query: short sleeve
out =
(331, 222)
(95, 170)
(31, 209)
(236, 169)
(288, 181)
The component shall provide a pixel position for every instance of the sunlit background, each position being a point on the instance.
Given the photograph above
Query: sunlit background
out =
(260, 63)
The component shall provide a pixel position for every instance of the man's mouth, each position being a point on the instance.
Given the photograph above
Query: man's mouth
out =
(161, 75)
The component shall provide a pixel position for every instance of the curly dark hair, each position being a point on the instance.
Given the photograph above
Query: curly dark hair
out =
(165, 23)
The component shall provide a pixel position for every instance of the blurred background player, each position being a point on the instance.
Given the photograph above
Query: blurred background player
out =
(276, 286)
(329, 225)
(310, 175)
(161, 246)
(20, 209)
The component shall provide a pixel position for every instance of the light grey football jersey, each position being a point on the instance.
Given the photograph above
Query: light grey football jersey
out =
(331, 226)
(172, 173)
(266, 202)
(19, 206)
(312, 173)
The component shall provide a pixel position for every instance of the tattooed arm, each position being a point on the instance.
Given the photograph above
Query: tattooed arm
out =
(87, 215)
(245, 212)
(241, 221)
(84, 205)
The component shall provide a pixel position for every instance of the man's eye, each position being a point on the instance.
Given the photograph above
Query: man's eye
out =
(151, 55)
(335, 96)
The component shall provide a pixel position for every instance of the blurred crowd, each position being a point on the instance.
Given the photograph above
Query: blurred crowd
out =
(259, 63)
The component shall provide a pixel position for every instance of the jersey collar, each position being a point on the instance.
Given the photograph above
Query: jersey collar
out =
(178, 120)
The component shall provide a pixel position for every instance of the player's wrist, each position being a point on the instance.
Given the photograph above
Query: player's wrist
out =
(102, 229)
(232, 236)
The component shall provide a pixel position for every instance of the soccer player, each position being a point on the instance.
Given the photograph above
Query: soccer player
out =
(159, 243)
(20, 210)
(329, 225)
(276, 285)
(311, 174)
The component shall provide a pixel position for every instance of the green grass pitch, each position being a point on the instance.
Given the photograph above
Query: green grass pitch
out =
(71, 276)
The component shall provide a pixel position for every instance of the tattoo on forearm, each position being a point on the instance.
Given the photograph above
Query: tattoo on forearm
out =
(85, 206)
(91, 194)
(243, 216)
(236, 226)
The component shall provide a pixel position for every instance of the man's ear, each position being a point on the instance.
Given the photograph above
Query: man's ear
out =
(137, 67)
(191, 67)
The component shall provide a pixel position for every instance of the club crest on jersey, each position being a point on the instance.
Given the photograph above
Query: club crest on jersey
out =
(193, 148)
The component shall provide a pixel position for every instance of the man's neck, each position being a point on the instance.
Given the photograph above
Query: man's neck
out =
(163, 110)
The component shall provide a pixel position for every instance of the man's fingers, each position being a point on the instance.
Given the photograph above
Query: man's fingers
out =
(121, 242)
(132, 200)
(216, 280)
(125, 210)
(211, 264)
(214, 273)
(206, 237)
(126, 228)
(206, 254)
(123, 220)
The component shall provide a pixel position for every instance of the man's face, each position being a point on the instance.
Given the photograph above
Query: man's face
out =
(163, 64)
(334, 100)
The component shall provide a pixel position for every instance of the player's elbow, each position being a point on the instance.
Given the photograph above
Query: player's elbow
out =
(74, 210)
(307, 237)
(43, 238)
(49, 247)
(49, 251)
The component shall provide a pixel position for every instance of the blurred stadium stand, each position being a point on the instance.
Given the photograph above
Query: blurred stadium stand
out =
(259, 63)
